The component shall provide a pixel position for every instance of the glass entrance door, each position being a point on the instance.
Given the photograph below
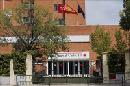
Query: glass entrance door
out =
(61, 67)
(68, 67)
(76, 67)
(71, 67)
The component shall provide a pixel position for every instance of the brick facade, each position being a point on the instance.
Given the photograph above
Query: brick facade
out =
(75, 24)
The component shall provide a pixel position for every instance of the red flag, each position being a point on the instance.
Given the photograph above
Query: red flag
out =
(60, 8)
(66, 9)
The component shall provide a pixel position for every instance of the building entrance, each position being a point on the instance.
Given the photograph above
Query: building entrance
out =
(68, 67)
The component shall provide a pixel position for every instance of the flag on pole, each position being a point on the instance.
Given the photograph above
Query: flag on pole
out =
(80, 10)
(66, 9)
(60, 8)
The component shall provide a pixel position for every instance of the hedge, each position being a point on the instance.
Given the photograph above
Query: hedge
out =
(19, 60)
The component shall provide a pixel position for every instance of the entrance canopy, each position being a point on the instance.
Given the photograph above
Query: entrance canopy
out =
(71, 56)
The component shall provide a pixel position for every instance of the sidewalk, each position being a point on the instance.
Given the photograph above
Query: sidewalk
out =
(76, 85)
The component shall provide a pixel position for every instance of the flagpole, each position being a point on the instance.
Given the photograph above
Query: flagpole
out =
(3, 4)
(77, 2)
(64, 12)
(77, 16)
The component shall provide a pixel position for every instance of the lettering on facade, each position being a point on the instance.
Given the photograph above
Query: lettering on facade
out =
(70, 56)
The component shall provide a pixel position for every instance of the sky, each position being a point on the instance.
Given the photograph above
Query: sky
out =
(103, 12)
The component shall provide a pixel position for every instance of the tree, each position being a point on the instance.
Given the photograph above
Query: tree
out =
(121, 44)
(100, 41)
(42, 32)
(37, 31)
(125, 16)
(125, 19)
(116, 60)
(125, 25)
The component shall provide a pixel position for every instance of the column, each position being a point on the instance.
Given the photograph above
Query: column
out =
(63, 68)
(68, 67)
(127, 66)
(105, 68)
(12, 76)
(29, 68)
(57, 67)
(78, 67)
(47, 68)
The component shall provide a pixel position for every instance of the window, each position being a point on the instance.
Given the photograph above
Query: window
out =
(61, 21)
(55, 7)
(28, 6)
(27, 1)
(26, 20)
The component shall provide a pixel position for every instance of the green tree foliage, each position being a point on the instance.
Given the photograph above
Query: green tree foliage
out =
(4, 64)
(116, 62)
(41, 32)
(121, 44)
(125, 19)
(19, 60)
(125, 16)
(100, 41)
(19, 63)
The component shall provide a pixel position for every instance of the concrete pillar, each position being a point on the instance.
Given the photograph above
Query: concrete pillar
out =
(127, 66)
(12, 76)
(105, 68)
(29, 69)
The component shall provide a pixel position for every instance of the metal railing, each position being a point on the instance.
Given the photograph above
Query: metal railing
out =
(23, 80)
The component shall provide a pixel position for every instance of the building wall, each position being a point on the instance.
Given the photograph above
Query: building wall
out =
(70, 19)
(78, 30)
(75, 25)
(9, 4)
(87, 30)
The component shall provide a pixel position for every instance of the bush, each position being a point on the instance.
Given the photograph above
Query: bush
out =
(19, 60)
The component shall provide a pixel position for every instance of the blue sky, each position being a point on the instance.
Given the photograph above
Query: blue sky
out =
(103, 12)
